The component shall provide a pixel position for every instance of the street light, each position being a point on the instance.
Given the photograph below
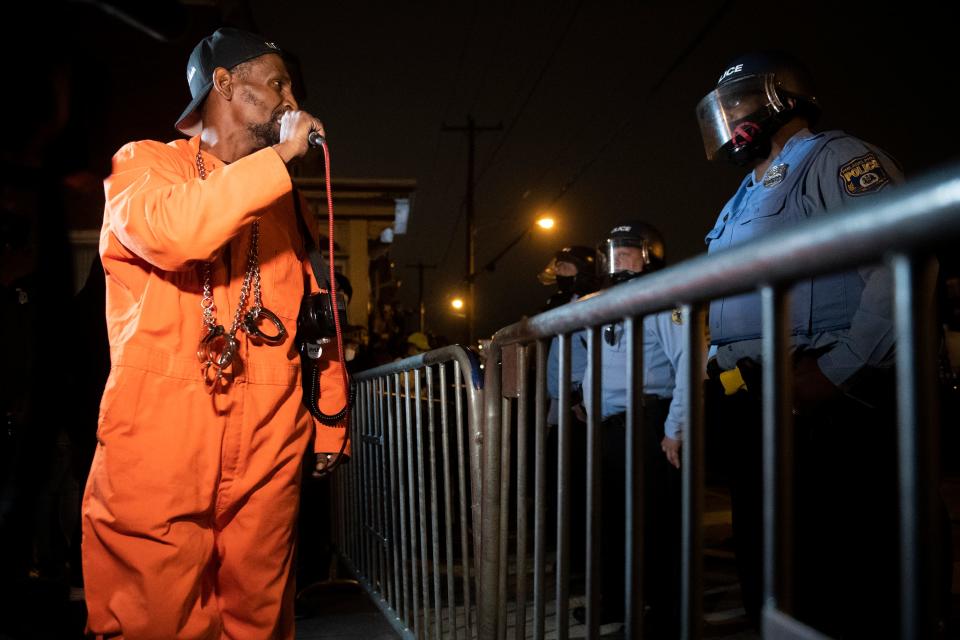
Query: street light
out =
(546, 222)
(457, 303)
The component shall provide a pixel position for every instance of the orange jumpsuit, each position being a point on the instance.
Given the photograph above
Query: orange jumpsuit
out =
(189, 510)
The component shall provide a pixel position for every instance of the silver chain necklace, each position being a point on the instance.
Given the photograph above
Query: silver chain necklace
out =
(218, 347)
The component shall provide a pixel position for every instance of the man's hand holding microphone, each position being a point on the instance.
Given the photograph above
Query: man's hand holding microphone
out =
(296, 128)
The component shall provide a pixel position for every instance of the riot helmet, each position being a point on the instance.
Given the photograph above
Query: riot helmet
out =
(573, 270)
(632, 249)
(755, 96)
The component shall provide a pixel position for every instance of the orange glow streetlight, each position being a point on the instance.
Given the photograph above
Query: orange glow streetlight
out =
(546, 222)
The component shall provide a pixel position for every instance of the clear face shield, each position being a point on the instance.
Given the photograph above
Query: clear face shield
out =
(729, 111)
(625, 256)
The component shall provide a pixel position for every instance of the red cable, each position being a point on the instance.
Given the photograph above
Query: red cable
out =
(333, 290)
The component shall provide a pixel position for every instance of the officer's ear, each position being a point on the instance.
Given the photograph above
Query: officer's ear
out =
(223, 82)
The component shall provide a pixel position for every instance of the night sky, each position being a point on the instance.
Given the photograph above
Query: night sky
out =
(596, 100)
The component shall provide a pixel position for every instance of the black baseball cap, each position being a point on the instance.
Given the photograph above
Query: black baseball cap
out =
(226, 48)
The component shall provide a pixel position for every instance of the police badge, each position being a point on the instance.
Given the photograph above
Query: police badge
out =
(775, 175)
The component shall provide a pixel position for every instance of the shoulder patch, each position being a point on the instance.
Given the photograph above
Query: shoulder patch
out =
(676, 316)
(863, 174)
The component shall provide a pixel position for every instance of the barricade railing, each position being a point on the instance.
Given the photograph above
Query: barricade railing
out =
(901, 229)
(408, 500)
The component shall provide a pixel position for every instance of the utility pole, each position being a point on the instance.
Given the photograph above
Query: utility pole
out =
(471, 130)
(420, 266)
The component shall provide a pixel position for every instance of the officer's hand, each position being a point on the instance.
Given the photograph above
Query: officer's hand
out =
(579, 412)
(325, 463)
(671, 448)
(811, 389)
(295, 126)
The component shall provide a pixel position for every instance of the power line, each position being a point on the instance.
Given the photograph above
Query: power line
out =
(453, 232)
(493, 52)
(453, 93)
(533, 90)
(462, 208)
(680, 59)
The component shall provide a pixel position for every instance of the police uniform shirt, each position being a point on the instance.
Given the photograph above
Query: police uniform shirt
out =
(578, 364)
(849, 315)
(664, 369)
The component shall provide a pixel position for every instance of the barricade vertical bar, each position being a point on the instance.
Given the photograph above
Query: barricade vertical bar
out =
(415, 472)
(563, 493)
(635, 504)
(389, 569)
(348, 538)
(352, 501)
(692, 467)
(506, 429)
(458, 377)
(434, 515)
(594, 505)
(363, 471)
(336, 513)
(914, 281)
(366, 469)
(488, 594)
(347, 546)
(407, 519)
(422, 497)
(356, 474)
(370, 472)
(777, 452)
(385, 494)
(393, 475)
(448, 505)
(522, 410)
(380, 498)
(540, 492)
(355, 505)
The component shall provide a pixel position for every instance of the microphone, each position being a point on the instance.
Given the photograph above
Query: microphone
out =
(315, 139)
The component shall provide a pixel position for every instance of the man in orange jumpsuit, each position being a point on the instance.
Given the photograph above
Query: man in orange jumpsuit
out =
(189, 509)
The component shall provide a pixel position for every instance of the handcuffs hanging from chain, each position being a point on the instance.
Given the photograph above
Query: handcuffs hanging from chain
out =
(218, 347)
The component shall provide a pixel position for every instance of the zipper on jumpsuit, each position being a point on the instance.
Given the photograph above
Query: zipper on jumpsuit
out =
(229, 404)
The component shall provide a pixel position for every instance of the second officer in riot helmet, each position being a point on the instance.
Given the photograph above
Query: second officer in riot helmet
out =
(574, 271)
(632, 250)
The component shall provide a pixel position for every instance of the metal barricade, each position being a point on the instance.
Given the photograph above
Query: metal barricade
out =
(407, 501)
(901, 229)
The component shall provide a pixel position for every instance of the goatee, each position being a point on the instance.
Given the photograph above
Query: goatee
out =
(265, 134)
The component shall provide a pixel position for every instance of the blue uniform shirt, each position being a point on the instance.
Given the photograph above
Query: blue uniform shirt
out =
(578, 364)
(849, 314)
(664, 369)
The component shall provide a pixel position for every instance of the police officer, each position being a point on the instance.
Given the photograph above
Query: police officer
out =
(574, 271)
(759, 116)
(631, 250)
